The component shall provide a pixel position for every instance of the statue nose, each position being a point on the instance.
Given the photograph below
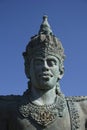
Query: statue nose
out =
(45, 67)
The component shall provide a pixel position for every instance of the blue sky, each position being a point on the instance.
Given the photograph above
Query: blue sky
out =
(21, 19)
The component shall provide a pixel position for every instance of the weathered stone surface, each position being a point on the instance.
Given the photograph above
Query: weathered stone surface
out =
(43, 106)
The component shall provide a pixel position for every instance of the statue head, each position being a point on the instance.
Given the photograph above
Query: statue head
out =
(44, 47)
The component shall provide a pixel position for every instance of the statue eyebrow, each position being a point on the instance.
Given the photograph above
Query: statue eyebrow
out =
(41, 59)
(50, 58)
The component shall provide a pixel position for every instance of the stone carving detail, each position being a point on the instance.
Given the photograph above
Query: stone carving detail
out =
(76, 98)
(44, 114)
(74, 115)
(44, 57)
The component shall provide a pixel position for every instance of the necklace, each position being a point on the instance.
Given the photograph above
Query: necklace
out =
(43, 114)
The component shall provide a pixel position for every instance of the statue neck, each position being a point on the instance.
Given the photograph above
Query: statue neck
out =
(42, 97)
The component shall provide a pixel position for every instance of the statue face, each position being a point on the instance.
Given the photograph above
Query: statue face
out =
(44, 72)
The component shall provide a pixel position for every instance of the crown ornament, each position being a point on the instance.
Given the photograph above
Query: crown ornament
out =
(45, 27)
(44, 43)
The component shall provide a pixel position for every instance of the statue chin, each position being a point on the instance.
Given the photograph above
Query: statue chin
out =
(46, 84)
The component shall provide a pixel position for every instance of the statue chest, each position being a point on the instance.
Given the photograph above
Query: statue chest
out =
(18, 122)
(58, 124)
(27, 117)
(69, 121)
(62, 115)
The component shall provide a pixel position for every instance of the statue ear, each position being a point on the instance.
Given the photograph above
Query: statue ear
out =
(27, 71)
(27, 65)
(61, 73)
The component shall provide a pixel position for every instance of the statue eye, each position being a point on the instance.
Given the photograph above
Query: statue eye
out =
(51, 62)
(38, 62)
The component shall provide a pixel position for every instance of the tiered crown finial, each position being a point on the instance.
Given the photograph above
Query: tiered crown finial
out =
(45, 27)
(44, 43)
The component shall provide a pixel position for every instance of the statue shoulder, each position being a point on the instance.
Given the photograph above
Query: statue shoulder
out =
(7, 105)
(10, 99)
(76, 98)
(7, 102)
(80, 102)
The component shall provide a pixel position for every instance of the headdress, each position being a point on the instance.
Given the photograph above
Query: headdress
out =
(44, 43)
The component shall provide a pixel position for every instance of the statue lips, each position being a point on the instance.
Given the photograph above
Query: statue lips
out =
(45, 75)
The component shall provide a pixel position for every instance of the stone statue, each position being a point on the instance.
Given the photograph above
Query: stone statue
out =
(43, 106)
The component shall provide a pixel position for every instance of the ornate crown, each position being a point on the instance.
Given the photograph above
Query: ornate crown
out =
(44, 43)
